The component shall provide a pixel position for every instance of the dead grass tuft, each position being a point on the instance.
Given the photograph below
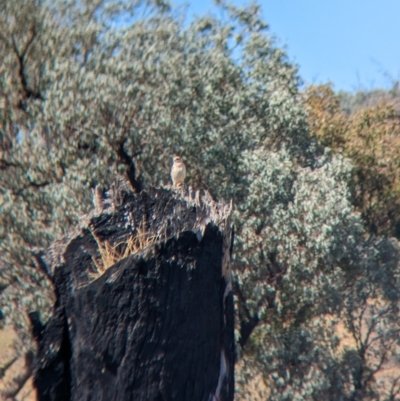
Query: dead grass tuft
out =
(111, 254)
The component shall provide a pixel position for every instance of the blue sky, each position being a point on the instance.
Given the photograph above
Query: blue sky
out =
(355, 44)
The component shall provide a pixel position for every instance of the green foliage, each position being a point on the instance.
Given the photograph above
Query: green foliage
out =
(102, 83)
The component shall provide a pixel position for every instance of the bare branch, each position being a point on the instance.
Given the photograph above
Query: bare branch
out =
(21, 57)
(6, 366)
(249, 323)
(19, 381)
(131, 167)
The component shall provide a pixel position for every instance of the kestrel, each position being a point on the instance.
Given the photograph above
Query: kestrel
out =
(178, 172)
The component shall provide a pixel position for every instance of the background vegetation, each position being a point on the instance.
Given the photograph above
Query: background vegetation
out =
(92, 88)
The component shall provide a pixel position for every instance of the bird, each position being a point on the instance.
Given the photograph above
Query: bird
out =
(178, 172)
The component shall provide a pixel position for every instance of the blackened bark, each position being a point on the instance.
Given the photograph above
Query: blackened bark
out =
(130, 167)
(156, 325)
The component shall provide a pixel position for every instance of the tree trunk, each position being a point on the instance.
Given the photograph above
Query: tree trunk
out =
(144, 306)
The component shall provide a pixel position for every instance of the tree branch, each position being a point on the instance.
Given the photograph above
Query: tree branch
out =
(250, 322)
(20, 380)
(6, 366)
(131, 167)
(21, 57)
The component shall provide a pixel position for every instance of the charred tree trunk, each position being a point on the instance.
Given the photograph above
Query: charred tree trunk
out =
(144, 305)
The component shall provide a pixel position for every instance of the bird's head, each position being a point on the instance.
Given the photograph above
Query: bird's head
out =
(177, 159)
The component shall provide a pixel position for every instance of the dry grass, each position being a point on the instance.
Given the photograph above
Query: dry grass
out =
(111, 254)
(15, 365)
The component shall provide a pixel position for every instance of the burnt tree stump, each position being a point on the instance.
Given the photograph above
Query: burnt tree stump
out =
(144, 306)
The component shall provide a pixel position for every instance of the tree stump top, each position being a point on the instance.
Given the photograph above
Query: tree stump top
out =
(144, 306)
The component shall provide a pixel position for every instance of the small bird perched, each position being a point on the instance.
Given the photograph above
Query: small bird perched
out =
(178, 172)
